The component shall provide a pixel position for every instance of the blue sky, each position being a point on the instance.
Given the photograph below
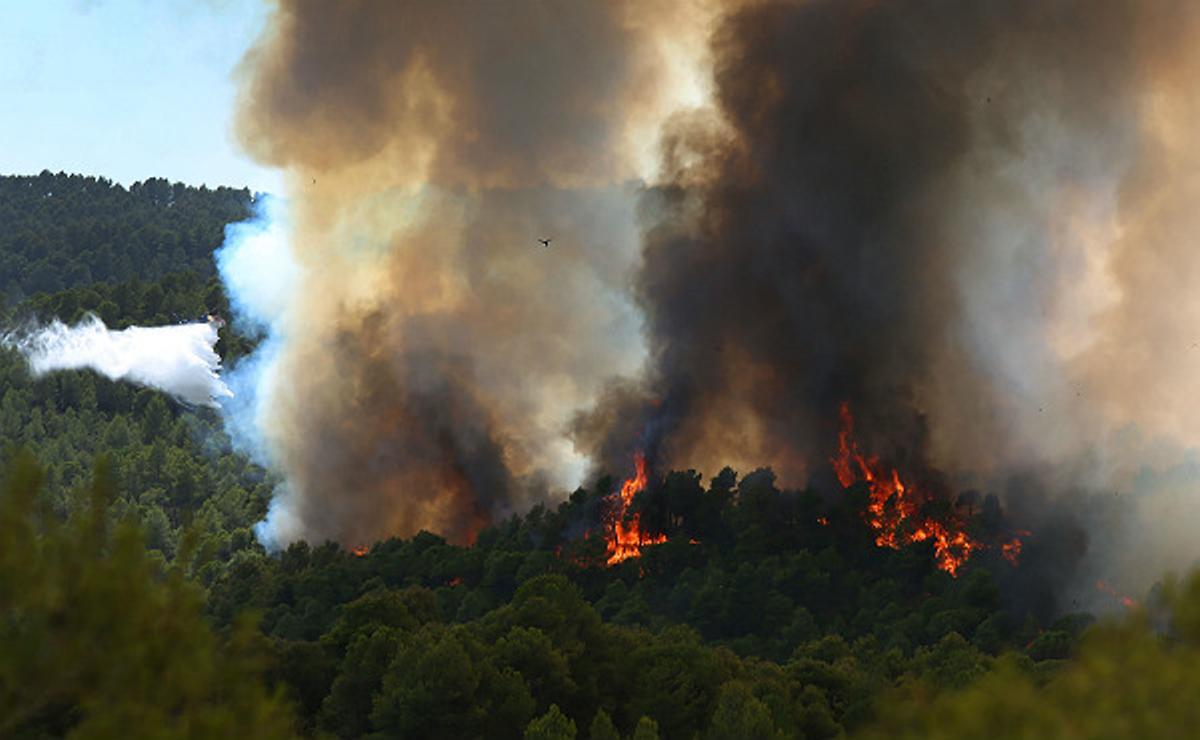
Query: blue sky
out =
(127, 89)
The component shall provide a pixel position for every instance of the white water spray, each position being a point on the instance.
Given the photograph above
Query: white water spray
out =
(178, 359)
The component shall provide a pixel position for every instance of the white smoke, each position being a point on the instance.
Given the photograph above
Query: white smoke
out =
(178, 359)
(261, 277)
(258, 269)
(260, 274)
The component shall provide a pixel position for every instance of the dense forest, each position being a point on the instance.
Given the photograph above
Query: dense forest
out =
(63, 231)
(136, 601)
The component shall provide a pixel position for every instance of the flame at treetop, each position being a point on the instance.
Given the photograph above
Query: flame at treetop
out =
(894, 508)
(1011, 550)
(626, 539)
(360, 551)
(1127, 602)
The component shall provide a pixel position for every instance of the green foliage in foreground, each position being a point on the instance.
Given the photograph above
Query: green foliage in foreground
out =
(1127, 680)
(98, 641)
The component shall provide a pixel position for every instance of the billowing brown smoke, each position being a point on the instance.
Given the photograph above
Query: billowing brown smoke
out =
(435, 351)
(971, 221)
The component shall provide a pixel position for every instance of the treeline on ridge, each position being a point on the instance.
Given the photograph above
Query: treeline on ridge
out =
(61, 231)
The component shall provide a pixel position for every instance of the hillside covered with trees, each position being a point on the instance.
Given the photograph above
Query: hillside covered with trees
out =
(136, 601)
(63, 231)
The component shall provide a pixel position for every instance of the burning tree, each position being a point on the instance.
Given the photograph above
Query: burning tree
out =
(624, 533)
(899, 510)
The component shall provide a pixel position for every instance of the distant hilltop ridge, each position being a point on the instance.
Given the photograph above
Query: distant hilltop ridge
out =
(60, 231)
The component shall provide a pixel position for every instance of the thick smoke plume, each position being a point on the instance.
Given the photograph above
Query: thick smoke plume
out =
(434, 353)
(177, 359)
(969, 221)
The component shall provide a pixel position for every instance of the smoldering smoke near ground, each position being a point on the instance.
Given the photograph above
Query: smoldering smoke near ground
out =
(958, 218)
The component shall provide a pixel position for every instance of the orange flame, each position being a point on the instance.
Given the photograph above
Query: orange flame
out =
(894, 507)
(1125, 600)
(360, 551)
(627, 539)
(1011, 550)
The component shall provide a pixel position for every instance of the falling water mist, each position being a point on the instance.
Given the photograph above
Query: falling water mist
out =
(177, 359)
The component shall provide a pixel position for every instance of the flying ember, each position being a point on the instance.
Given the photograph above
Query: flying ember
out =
(1127, 602)
(894, 509)
(626, 538)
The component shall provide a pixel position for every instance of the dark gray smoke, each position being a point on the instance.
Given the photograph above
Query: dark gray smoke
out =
(913, 207)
